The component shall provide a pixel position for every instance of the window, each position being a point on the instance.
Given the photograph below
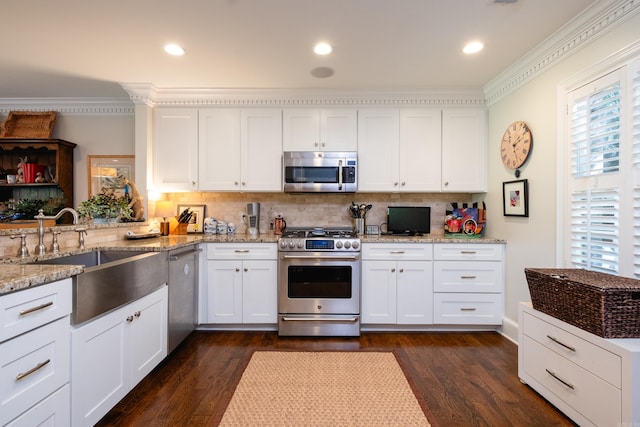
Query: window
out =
(603, 217)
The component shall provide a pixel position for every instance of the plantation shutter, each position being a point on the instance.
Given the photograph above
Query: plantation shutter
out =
(635, 125)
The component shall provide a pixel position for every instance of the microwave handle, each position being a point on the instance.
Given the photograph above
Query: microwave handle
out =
(339, 174)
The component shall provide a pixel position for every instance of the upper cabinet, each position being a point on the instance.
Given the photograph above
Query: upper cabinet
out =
(175, 149)
(54, 155)
(331, 129)
(240, 149)
(419, 150)
(464, 150)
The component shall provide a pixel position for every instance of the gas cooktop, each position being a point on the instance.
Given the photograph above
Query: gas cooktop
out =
(319, 232)
(319, 239)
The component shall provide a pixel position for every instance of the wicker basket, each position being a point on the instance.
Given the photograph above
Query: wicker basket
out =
(28, 124)
(603, 304)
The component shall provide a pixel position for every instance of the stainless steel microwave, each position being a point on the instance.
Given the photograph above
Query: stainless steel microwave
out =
(320, 172)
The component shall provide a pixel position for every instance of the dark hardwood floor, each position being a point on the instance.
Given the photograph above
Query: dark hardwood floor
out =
(466, 379)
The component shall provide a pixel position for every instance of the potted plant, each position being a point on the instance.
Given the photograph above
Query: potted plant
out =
(105, 206)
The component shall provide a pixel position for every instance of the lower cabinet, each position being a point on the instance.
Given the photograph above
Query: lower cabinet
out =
(34, 355)
(397, 285)
(112, 353)
(241, 283)
(592, 380)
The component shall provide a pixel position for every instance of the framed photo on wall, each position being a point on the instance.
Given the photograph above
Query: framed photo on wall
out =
(515, 198)
(196, 223)
(106, 171)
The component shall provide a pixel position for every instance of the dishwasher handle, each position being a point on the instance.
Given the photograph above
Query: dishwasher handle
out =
(184, 254)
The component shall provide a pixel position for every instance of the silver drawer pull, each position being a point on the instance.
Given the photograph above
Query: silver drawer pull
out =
(315, 319)
(242, 251)
(468, 277)
(560, 379)
(32, 370)
(396, 252)
(557, 341)
(468, 252)
(34, 309)
(467, 309)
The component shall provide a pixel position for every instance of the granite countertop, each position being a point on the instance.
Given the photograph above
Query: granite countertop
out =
(19, 274)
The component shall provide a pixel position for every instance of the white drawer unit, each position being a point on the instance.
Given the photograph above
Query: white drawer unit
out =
(397, 251)
(26, 310)
(35, 354)
(594, 381)
(467, 309)
(237, 251)
(468, 284)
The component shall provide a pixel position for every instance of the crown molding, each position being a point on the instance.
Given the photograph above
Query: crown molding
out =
(101, 106)
(202, 97)
(596, 21)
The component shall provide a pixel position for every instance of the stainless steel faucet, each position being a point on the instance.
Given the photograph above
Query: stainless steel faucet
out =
(40, 249)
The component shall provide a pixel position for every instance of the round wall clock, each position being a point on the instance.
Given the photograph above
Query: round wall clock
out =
(516, 145)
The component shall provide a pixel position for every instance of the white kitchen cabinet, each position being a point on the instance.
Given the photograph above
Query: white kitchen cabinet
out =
(34, 354)
(397, 284)
(468, 284)
(241, 283)
(112, 353)
(310, 129)
(378, 149)
(421, 149)
(240, 149)
(175, 149)
(593, 380)
(464, 150)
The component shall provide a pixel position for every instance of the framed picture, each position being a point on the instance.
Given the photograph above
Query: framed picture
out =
(108, 172)
(196, 224)
(515, 198)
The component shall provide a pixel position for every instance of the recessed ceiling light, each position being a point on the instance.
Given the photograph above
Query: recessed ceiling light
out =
(322, 48)
(473, 47)
(174, 49)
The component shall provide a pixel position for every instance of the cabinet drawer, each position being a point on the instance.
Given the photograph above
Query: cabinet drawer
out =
(32, 366)
(397, 251)
(470, 252)
(601, 362)
(467, 309)
(589, 395)
(55, 407)
(24, 310)
(242, 251)
(475, 276)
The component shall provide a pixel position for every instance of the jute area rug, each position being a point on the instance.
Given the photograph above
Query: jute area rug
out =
(324, 389)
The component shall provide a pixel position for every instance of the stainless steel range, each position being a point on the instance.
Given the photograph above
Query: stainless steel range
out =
(319, 282)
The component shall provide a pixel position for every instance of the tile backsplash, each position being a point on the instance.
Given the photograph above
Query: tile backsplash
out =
(300, 210)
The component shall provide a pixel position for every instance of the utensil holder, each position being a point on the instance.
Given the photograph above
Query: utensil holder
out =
(182, 228)
(360, 225)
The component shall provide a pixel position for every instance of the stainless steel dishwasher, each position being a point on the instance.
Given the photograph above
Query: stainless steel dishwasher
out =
(183, 286)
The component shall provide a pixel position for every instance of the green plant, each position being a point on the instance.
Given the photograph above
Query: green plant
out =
(30, 207)
(105, 205)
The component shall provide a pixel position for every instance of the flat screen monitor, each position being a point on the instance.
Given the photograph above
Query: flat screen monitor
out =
(408, 220)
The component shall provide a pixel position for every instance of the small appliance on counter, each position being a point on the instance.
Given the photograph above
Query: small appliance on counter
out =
(408, 220)
(252, 218)
(279, 225)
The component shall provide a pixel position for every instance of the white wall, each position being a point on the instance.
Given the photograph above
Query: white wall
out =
(532, 241)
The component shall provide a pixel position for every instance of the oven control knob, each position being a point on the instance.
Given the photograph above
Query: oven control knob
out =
(339, 244)
(300, 244)
(347, 245)
(292, 244)
(283, 244)
(355, 245)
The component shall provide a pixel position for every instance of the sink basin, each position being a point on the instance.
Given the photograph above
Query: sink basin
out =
(112, 279)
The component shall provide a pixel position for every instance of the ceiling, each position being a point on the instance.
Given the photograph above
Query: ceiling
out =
(86, 48)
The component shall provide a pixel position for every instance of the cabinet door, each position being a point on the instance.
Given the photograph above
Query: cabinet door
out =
(420, 149)
(415, 293)
(379, 292)
(219, 144)
(224, 291)
(99, 367)
(378, 141)
(259, 292)
(464, 150)
(261, 149)
(175, 149)
(339, 129)
(148, 334)
(301, 129)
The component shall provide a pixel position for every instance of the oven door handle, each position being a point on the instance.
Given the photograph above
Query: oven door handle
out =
(323, 258)
(340, 175)
(315, 319)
